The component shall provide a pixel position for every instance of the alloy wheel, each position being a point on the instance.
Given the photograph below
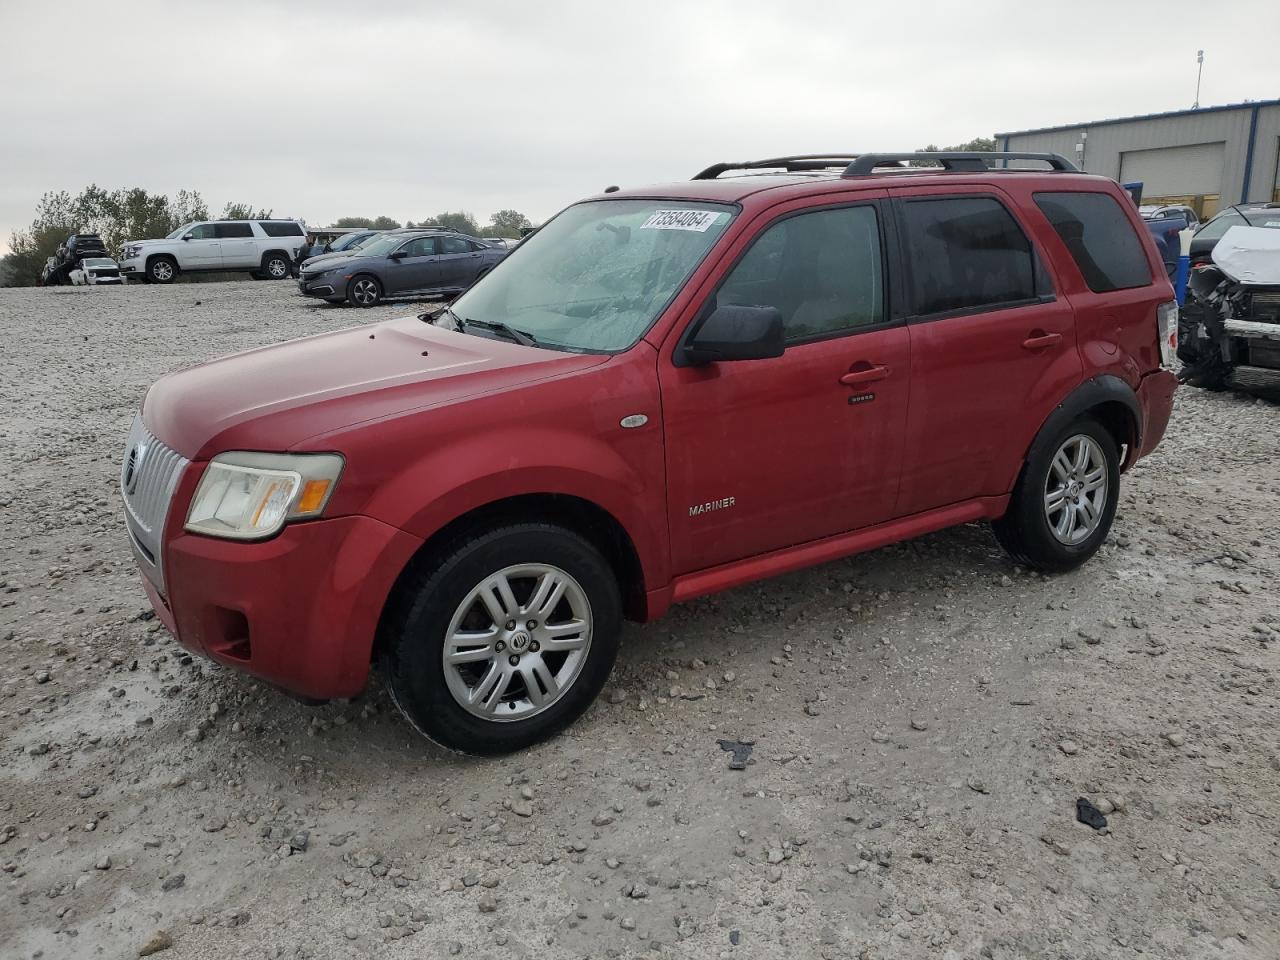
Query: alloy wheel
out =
(365, 292)
(162, 270)
(517, 642)
(1075, 493)
(277, 268)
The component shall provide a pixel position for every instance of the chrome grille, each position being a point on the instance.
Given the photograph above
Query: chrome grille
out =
(148, 477)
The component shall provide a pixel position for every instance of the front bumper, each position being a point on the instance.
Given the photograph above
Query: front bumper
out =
(300, 610)
(135, 267)
(324, 286)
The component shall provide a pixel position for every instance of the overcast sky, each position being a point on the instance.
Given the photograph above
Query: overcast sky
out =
(326, 109)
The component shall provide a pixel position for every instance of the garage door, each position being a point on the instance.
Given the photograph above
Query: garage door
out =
(1190, 171)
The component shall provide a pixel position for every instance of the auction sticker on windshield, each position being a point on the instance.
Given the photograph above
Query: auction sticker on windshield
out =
(698, 220)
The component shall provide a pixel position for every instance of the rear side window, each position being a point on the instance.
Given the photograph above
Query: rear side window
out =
(1100, 238)
(280, 228)
(450, 245)
(229, 231)
(821, 270)
(966, 253)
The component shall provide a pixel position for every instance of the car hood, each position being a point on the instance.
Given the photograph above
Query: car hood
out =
(331, 261)
(277, 397)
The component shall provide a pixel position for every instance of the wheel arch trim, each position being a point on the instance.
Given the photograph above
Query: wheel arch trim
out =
(1112, 401)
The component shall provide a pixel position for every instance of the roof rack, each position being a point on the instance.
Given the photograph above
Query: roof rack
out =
(862, 164)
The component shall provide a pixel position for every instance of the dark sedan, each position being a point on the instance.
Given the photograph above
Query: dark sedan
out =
(397, 266)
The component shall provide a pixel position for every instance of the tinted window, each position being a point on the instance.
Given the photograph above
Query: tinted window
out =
(821, 270)
(454, 245)
(966, 252)
(201, 231)
(280, 228)
(1100, 237)
(227, 231)
(421, 247)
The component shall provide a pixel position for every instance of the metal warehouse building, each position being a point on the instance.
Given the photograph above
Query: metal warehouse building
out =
(1207, 158)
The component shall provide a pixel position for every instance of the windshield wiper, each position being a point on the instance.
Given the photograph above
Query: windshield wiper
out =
(497, 326)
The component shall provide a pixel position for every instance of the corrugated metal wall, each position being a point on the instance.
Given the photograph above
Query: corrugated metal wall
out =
(1227, 130)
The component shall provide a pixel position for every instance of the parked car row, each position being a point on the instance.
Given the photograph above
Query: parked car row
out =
(265, 248)
(399, 264)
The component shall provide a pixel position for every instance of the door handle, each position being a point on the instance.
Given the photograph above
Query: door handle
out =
(864, 373)
(1038, 340)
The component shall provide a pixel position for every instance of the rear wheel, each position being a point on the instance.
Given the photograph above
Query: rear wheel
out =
(364, 291)
(506, 641)
(162, 269)
(1065, 500)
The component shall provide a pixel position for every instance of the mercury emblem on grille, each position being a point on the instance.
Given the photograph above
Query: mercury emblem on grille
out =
(132, 466)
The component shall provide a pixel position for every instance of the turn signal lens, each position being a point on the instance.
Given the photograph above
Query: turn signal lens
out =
(313, 496)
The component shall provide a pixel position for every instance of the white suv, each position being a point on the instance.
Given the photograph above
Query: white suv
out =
(268, 249)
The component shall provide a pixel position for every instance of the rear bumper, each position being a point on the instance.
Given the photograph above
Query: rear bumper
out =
(1155, 396)
(299, 610)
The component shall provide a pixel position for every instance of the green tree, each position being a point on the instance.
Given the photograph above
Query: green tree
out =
(461, 221)
(115, 215)
(978, 145)
(244, 211)
(507, 223)
(384, 223)
(353, 222)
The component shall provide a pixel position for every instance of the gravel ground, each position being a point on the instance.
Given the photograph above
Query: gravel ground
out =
(924, 720)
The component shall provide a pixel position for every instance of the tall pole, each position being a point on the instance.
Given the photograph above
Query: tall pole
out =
(1199, 70)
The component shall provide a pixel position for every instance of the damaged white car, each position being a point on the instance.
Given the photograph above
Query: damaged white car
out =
(1229, 329)
(94, 271)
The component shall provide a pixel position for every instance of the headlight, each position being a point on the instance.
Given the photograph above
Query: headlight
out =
(249, 496)
(131, 252)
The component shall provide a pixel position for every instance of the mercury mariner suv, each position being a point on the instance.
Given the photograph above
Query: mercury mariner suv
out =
(663, 393)
(267, 249)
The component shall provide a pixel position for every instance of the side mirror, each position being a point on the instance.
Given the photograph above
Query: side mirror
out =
(737, 333)
(187, 237)
(397, 255)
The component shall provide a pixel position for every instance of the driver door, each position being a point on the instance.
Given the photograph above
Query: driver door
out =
(201, 248)
(417, 270)
(767, 454)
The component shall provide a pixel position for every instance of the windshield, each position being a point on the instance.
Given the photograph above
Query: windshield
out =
(180, 231)
(1265, 217)
(381, 245)
(348, 240)
(97, 262)
(598, 275)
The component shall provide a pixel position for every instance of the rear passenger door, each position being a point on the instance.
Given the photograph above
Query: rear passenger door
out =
(460, 261)
(239, 249)
(993, 348)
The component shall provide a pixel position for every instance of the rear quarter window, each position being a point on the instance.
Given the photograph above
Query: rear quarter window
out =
(278, 228)
(1099, 237)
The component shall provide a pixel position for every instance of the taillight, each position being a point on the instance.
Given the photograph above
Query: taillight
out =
(1167, 331)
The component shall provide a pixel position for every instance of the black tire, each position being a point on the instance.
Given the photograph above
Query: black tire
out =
(427, 602)
(364, 290)
(276, 266)
(1024, 531)
(162, 269)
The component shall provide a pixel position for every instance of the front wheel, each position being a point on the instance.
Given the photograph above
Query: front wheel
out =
(506, 641)
(162, 270)
(364, 291)
(1065, 499)
(276, 266)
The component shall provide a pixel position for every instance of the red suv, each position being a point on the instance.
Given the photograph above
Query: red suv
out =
(663, 393)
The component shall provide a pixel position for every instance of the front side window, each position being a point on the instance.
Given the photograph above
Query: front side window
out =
(598, 275)
(966, 253)
(420, 247)
(233, 231)
(822, 271)
(202, 231)
(1099, 237)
